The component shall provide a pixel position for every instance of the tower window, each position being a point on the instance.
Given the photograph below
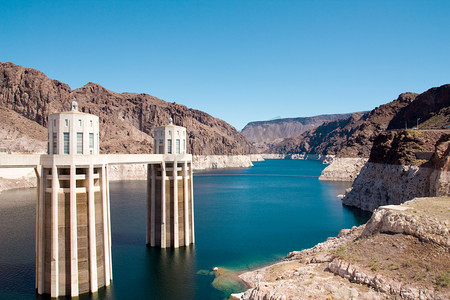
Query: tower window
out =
(161, 147)
(67, 122)
(177, 145)
(91, 140)
(66, 143)
(79, 123)
(55, 143)
(169, 146)
(79, 142)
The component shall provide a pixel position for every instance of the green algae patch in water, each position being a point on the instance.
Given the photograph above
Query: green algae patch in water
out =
(205, 272)
(228, 282)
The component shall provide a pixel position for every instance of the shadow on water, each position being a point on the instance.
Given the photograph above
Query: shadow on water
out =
(361, 216)
(172, 272)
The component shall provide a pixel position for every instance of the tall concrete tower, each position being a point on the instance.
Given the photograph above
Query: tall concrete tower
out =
(170, 197)
(73, 224)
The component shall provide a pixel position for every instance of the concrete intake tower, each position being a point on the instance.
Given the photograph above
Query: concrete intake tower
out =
(73, 222)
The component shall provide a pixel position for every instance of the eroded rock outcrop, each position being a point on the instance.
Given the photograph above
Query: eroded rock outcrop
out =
(427, 105)
(202, 162)
(403, 165)
(19, 134)
(343, 169)
(402, 252)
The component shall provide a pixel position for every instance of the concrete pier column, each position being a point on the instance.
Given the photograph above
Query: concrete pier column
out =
(148, 205)
(152, 205)
(106, 226)
(163, 205)
(37, 171)
(186, 205)
(92, 233)
(74, 291)
(108, 212)
(175, 236)
(40, 213)
(191, 180)
(54, 263)
(41, 179)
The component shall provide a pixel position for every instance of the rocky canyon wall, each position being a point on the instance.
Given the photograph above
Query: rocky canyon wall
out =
(398, 170)
(126, 119)
(385, 184)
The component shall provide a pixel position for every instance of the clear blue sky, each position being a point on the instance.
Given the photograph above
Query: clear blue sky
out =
(241, 60)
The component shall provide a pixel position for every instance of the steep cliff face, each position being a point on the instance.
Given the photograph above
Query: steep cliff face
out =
(30, 93)
(360, 142)
(126, 119)
(18, 134)
(351, 137)
(264, 134)
(434, 102)
(402, 167)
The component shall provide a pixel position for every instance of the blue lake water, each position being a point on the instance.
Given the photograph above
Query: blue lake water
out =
(244, 218)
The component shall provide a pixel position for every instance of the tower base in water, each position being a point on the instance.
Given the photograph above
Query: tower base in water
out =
(73, 240)
(170, 206)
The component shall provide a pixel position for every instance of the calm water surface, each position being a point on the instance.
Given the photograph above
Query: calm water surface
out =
(244, 218)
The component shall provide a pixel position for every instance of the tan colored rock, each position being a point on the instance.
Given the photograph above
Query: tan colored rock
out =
(326, 271)
(20, 135)
(343, 169)
(203, 162)
(384, 184)
(13, 178)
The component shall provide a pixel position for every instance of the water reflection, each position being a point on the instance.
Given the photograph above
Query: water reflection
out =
(172, 272)
(361, 216)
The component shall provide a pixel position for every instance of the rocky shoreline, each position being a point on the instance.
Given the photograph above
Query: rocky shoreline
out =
(26, 178)
(343, 169)
(204, 162)
(385, 184)
(340, 169)
(410, 259)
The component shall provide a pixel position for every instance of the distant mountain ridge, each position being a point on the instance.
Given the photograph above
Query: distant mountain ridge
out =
(264, 134)
(126, 119)
(354, 136)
